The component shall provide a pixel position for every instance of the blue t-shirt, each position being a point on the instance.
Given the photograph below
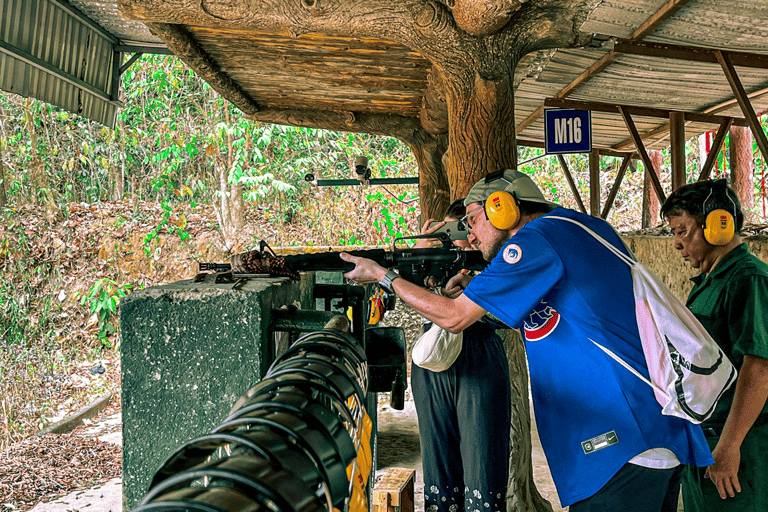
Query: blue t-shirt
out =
(561, 288)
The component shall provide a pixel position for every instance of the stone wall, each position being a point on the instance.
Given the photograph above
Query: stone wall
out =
(659, 255)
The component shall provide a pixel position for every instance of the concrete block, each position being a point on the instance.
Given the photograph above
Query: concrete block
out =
(189, 351)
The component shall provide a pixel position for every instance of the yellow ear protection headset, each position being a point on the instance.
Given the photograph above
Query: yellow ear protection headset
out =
(501, 207)
(720, 224)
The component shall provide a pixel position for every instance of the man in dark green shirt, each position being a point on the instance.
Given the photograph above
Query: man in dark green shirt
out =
(730, 299)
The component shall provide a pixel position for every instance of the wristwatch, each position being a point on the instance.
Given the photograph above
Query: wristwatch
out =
(386, 282)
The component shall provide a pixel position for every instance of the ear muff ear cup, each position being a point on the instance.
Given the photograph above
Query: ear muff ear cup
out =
(502, 210)
(719, 227)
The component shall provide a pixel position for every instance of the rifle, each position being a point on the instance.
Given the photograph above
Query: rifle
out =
(425, 267)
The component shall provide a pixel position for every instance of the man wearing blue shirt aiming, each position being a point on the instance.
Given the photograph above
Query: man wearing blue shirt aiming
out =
(608, 446)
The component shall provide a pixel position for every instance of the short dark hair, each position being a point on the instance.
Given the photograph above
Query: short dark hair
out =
(700, 198)
(456, 210)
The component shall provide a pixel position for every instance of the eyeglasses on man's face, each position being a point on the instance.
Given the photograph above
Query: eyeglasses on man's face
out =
(468, 219)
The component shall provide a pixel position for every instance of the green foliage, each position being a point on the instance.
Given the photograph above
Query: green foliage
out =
(169, 222)
(102, 301)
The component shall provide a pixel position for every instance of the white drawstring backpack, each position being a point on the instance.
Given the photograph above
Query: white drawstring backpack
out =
(688, 370)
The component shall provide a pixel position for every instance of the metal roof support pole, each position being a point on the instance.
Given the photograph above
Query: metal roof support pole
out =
(616, 185)
(717, 144)
(744, 103)
(117, 59)
(643, 154)
(594, 183)
(571, 183)
(124, 67)
(677, 148)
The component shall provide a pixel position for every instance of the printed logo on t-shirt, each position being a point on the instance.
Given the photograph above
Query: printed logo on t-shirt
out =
(541, 322)
(512, 254)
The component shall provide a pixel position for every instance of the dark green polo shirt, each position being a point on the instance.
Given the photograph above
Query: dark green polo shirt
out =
(731, 302)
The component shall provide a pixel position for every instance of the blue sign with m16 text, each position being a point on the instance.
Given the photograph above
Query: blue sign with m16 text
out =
(567, 131)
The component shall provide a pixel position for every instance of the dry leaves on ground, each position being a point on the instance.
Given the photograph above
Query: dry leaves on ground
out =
(48, 467)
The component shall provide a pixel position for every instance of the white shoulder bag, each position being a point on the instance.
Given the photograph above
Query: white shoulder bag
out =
(688, 370)
(437, 349)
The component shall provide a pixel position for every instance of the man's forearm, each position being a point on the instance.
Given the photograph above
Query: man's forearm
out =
(454, 315)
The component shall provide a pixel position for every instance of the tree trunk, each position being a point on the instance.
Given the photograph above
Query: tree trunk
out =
(35, 166)
(743, 168)
(481, 129)
(433, 183)
(522, 494)
(650, 199)
(120, 173)
(234, 190)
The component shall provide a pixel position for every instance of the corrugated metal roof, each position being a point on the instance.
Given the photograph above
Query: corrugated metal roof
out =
(652, 81)
(52, 51)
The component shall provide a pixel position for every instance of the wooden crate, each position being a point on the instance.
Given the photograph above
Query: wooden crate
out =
(394, 492)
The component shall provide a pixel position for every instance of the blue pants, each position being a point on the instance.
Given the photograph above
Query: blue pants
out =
(464, 420)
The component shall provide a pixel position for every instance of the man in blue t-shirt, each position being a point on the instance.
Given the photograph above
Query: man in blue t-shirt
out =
(607, 444)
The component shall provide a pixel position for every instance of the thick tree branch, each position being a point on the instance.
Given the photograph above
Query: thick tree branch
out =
(483, 17)
(181, 42)
(406, 129)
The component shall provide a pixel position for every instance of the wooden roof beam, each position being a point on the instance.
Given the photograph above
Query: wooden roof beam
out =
(407, 129)
(746, 106)
(615, 189)
(663, 130)
(180, 41)
(572, 183)
(690, 53)
(644, 154)
(641, 111)
(706, 169)
(603, 151)
(648, 26)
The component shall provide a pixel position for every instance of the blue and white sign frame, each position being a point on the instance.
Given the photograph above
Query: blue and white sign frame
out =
(567, 131)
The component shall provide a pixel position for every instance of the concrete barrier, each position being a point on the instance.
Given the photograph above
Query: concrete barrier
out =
(189, 350)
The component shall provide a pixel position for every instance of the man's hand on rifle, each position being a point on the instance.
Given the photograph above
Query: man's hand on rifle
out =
(426, 229)
(365, 272)
(455, 285)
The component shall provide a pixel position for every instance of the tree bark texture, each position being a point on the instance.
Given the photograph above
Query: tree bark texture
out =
(522, 494)
(743, 168)
(482, 131)
(650, 199)
(433, 184)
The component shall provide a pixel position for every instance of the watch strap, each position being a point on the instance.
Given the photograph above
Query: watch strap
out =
(386, 281)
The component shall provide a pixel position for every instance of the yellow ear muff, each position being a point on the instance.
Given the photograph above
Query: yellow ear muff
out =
(502, 210)
(719, 227)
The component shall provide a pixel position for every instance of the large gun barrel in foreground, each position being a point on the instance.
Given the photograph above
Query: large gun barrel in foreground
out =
(433, 266)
